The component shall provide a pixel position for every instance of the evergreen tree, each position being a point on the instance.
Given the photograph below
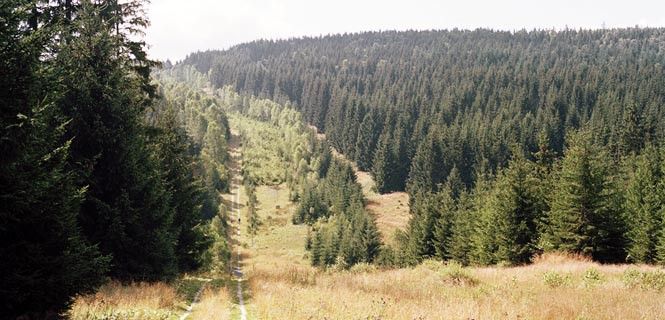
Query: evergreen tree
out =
(106, 89)
(317, 248)
(311, 207)
(421, 229)
(443, 228)
(46, 260)
(368, 237)
(383, 165)
(459, 244)
(515, 211)
(366, 141)
(584, 216)
(187, 194)
(424, 173)
(643, 206)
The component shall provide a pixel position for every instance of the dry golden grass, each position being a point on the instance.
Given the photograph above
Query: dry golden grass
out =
(214, 304)
(285, 286)
(391, 209)
(135, 301)
(424, 292)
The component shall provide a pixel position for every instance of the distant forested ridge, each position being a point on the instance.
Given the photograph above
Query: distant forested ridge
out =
(379, 95)
(510, 144)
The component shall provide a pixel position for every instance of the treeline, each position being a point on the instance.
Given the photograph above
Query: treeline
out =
(379, 95)
(583, 203)
(91, 186)
(329, 198)
(203, 123)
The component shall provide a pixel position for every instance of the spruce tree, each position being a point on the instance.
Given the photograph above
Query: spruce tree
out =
(366, 141)
(422, 175)
(187, 195)
(106, 83)
(45, 259)
(459, 244)
(643, 205)
(383, 165)
(585, 216)
(421, 228)
(515, 211)
(443, 228)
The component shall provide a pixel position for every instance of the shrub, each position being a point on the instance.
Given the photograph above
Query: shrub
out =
(648, 280)
(363, 267)
(454, 273)
(554, 279)
(592, 277)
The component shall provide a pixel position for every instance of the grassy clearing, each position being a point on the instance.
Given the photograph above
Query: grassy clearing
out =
(285, 286)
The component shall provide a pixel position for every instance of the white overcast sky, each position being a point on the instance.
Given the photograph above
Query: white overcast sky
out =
(183, 26)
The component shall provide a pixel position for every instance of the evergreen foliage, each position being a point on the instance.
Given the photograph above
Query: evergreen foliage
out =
(644, 205)
(482, 90)
(585, 212)
(98, 178)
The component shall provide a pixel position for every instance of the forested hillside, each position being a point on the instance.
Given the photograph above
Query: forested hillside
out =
(509, 144)
(541, 150)
(378, 96)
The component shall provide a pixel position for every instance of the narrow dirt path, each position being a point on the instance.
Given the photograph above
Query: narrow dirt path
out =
(236, 184)
(238, 268)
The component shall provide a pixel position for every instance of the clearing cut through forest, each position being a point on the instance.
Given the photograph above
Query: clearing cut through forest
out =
(234, 204)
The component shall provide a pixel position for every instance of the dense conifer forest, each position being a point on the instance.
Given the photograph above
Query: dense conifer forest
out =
(508, 143)
(104, 173)
(379, 95)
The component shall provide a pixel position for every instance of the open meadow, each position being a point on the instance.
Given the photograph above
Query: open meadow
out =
(284, 286)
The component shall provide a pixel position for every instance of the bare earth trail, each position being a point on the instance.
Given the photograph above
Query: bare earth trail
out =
(235, 205)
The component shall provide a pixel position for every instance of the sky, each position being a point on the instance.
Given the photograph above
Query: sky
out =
(179, 27)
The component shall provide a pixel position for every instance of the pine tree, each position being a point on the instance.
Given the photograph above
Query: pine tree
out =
(515, 211)
(106, 84)
(584, 216)
(46, 260)
(366, 141)
(383, 165)
(643, 206)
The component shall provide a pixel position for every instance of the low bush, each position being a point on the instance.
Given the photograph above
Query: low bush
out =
(647, 280)
(592, 277)
(555, 279)
(454, 273)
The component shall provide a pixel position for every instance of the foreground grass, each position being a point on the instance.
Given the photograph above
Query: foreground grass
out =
(285, 286)
(158, 300)
(214, 304)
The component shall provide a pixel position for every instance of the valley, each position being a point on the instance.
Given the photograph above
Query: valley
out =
(373, 174)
